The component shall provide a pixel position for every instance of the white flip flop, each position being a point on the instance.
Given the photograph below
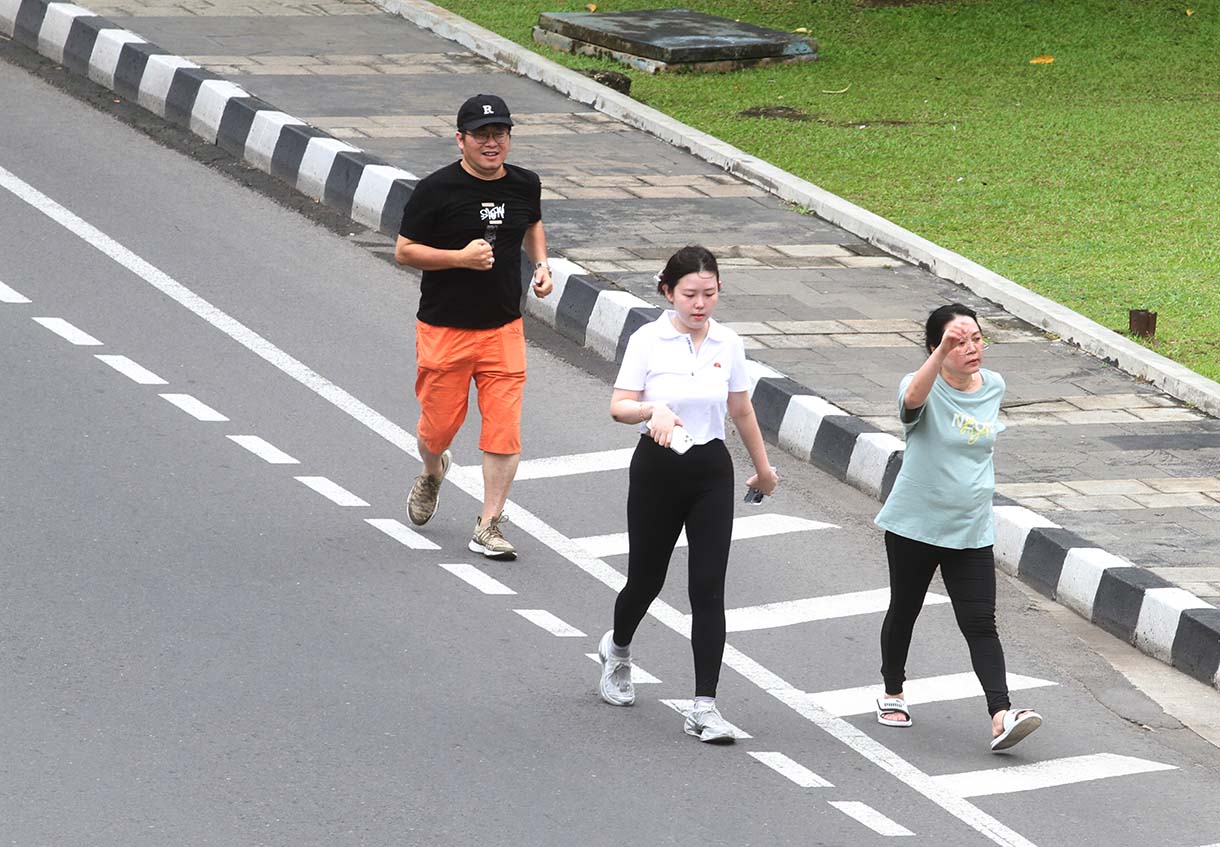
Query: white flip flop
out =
(886, 705)
(1017, 724)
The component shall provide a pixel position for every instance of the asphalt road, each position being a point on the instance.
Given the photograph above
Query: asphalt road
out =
(197, 646)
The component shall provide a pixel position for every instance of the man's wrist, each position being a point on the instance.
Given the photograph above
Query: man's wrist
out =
(542, 264)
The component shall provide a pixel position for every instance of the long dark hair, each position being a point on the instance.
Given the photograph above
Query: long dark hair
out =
(689, 260)
(934, 329)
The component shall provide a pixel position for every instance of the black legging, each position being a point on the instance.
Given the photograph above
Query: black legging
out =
(969, 577)
(666, 492)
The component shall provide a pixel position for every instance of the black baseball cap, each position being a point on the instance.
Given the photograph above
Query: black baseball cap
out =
(481, 110)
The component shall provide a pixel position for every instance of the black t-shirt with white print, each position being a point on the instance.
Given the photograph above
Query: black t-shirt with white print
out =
(450, 208)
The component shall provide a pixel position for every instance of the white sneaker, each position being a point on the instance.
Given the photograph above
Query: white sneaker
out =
(616, 687)
(706, 724)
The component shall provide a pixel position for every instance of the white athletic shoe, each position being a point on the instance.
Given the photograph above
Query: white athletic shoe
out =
(706, 724)
(616, 687)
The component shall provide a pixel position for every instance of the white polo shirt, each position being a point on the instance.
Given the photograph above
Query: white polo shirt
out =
(661, 362)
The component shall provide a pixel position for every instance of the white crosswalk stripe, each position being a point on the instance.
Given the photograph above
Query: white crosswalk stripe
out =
(933, 689)
(789, 612)
(579, 463)
(1046, 774)
(639, 676)
(754, 526)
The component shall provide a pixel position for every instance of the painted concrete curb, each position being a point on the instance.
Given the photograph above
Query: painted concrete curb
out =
(334, 172)
(1174, 379)
(1163, 621)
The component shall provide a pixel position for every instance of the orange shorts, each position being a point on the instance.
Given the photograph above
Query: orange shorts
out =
(446, 359)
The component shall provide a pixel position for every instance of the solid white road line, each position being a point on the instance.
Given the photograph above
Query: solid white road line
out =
(197, 410)
(132, 370)
(475, 577)
(792, 770)
(68, 332)
(683, 707)
(470, 481)
(932, 689)
(870, 817)
(789, 612)
(754, 526)
(1046, 774)
(606, 460)
(402, 533)
(550, 623)
(265, 450)
(332, 491)
(8, 295)
(638, 675)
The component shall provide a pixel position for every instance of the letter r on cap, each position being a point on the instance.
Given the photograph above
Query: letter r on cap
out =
(488, 110)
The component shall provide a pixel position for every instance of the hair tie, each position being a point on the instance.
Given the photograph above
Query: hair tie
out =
(657, 277)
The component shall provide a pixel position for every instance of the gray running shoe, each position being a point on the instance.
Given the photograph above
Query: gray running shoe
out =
(426, 493)
(489, 541)
(706, 724)
(616, 687)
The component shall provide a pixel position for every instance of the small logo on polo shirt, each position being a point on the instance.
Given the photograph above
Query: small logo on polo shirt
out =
(715, 364)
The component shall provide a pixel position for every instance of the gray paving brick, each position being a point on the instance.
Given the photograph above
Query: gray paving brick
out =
(1105, 502)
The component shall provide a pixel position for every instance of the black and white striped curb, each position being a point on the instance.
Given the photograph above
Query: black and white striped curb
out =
(1163, 621)
(327, 169)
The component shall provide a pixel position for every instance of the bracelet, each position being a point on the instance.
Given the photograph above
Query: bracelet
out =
(538, 265)
(643, 417)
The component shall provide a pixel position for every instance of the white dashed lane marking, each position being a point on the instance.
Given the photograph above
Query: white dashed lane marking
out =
(196, 409)
(68, 332)
(1046, 774)
(639, 676)
(553, 466)
(754, 526)
(476, 578)
(683, 707)
(402, 533)
(132, 370)
(933, 689)
(8, 295)
(265, 450)
(792, 770)
(552, 624)
(789, 612)
(332, 491)
(870, 817)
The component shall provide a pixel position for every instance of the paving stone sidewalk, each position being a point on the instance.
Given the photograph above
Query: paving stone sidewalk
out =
(1093, 449)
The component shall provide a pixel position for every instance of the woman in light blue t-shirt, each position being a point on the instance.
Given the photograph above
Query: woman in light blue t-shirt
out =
(939, 514)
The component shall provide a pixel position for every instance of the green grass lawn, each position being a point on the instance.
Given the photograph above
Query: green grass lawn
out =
(1093, 180)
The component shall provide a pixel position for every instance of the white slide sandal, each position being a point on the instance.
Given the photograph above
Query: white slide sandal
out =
(888, 705)
(1017, 724)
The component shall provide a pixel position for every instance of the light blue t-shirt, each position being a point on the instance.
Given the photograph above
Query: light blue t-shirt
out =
(943, 492)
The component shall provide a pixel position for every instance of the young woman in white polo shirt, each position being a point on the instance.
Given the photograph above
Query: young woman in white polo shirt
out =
(683, 370)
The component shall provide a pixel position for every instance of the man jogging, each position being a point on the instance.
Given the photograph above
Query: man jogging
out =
(464, 226)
